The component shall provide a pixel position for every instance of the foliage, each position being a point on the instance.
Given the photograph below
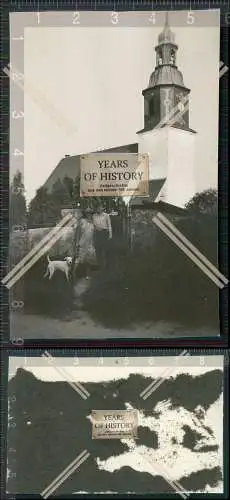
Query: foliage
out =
(152, 281)
(205, 202)
(42, 210)
(45, 208)
(66, 193)
(17, 208)
(158, 282)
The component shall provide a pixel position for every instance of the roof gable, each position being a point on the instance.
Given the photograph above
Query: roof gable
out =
(70, 165)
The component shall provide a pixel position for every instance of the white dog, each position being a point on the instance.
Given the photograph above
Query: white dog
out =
(58, 265)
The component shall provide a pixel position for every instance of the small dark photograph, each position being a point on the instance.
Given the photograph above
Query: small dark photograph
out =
(114, 213)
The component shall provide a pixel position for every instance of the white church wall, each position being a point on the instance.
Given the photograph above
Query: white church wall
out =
(171, 156)
(180, 185)
(154, 142)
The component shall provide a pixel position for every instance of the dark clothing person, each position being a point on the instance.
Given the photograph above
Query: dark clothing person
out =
(101, 239)
(102, 235)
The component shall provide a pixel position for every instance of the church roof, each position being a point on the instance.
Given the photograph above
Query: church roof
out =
(70, 165)
(161, 206)
(166, 74)
(166, 36)
(155, 186)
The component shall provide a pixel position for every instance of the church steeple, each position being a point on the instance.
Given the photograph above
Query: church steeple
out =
(166, 48)
(167, 136)
(166, 36)
(166, 89)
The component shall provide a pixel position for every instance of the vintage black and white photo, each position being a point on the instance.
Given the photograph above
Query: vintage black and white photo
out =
(178, 403)
(92, 263)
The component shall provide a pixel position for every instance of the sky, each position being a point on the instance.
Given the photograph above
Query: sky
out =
(91, 371)
(88, 84)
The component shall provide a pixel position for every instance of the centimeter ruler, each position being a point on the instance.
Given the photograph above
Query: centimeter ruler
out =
(160, 363)
(119, 356)
(39, 5)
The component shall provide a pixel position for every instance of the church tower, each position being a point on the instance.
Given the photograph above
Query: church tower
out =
(166, 135)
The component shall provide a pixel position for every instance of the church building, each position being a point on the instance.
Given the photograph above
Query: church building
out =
(166, 134)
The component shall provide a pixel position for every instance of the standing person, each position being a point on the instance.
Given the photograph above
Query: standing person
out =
(102, 234)
(87, 254)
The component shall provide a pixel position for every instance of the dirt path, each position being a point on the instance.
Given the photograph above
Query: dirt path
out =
(79, 289)
(32, 326)
(80, 325)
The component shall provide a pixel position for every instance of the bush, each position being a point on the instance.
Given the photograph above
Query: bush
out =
(153, 281)
(44, 296)
(159, 283)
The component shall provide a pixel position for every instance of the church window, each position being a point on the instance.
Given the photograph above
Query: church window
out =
(172, 57)
(160, 58)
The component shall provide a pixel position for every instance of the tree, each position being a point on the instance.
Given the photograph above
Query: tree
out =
(205, 202)
(17, 208)
(57, 193)
(45, 208)
(76, 192)
(68, 188)
(43, 212)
